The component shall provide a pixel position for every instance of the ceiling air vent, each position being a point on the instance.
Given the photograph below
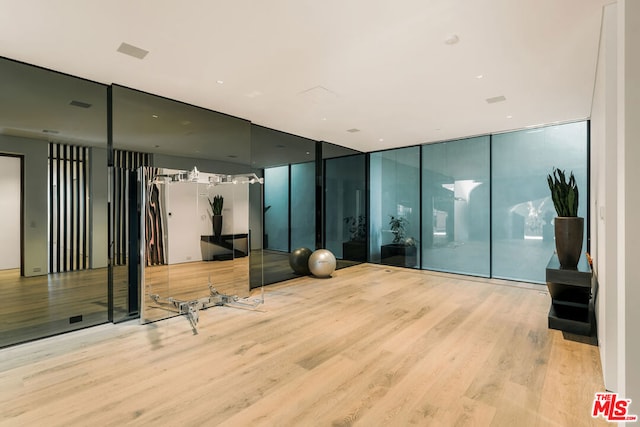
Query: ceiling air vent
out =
(80, 104)
(353, 130)
(496, 99)
(132, 50)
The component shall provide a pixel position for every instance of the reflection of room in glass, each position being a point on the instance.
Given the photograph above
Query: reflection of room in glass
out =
(536, 216)
(452, 222)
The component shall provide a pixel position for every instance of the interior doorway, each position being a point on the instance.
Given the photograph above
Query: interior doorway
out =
(11, 208)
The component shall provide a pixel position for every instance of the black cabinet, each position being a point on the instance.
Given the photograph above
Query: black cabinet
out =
(354, 251)
(399, 254)
(224, 247)
(572, 297)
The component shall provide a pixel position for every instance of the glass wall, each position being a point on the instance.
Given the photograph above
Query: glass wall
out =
(522, 210)
(303, 205)
(53, 147)
(456, 203)
(345, 202)
(276, 208)
(395, 207)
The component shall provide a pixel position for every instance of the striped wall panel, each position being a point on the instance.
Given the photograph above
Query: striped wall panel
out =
(68, 207)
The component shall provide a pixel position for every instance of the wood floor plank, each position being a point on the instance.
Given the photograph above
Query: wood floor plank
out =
(371, 346)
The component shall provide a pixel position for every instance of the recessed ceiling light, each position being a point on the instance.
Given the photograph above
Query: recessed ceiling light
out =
(509, 116)
(381, 140)
(479, 76)
(219, 82)
(155, 116)
(308, 153)
(324, 119)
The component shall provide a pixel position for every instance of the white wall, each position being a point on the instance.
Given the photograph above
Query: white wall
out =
(10, 209)
(616, 199)
(629, 192)
(183, 233)
(604, 188)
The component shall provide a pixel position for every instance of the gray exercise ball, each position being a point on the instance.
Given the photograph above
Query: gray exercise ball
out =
(299, 261)
(322, 263)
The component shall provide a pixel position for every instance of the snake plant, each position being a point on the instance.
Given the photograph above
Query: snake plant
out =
(564, 194)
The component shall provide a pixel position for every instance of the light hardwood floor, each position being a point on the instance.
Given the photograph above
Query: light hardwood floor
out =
(371, 346)
(33, 307)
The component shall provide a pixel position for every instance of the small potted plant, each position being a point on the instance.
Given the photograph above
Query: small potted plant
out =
(402, 250)
(568, 226)
(398, 228)
(216, 217)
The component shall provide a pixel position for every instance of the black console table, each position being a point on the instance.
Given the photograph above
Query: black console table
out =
(224, 247)
(572, 297)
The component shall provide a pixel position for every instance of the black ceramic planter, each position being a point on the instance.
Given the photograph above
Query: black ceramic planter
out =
(217, 226)
(568, 233)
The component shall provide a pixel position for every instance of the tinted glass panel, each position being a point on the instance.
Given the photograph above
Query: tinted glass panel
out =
(345, 199)
(455, 200)
(395, 207)
(54, 184)
(522, 210)
(303, 205)
(276, 215)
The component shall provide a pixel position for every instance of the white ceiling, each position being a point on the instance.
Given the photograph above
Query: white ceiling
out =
(319, 68)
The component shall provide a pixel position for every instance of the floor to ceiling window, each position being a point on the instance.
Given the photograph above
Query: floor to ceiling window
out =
(455, 201)
(345, 203)
(486, 205)
(394, 177)
(521, 209)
